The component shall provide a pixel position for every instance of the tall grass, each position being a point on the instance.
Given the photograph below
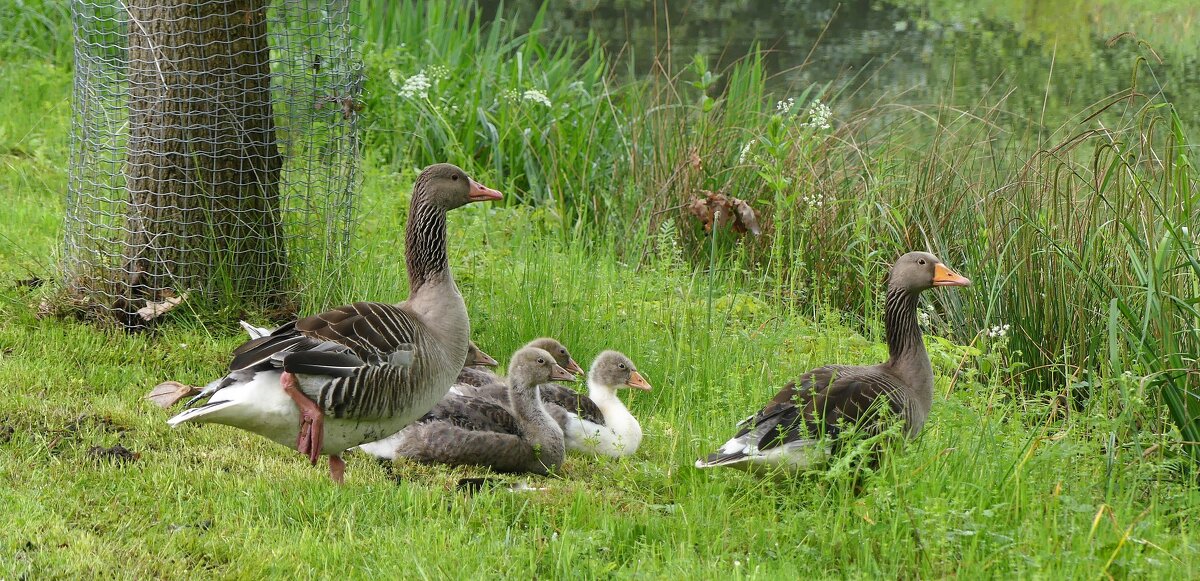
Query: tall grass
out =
(1003, 482)
(1075, 235)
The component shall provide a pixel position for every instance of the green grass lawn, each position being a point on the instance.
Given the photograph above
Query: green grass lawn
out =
(997, 485)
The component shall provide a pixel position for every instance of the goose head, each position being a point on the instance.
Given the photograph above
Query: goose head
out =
(612, 370)
(476, 356)
(559, 352)
(917, 272)
(448, 187)
(531, 367)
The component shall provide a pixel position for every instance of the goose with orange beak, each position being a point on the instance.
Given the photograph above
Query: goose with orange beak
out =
(798, 428)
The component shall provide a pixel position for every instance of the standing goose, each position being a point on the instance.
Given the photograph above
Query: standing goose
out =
(475, 377)
(353, 374)
(519, 437)
(596, 423)
(786, 433)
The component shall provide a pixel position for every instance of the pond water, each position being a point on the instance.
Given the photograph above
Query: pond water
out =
(1047, 59)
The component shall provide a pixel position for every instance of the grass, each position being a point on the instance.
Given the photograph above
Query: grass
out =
(1059, 450)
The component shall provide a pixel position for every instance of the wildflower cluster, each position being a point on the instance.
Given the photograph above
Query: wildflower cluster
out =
(437, 72)
(414, 87)
(925, 315)
(998, 331)
(819, 115)
(746, 150)
(536, 96)
(785, 106)
(815, 200)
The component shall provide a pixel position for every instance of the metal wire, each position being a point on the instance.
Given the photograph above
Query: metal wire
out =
(214, 151)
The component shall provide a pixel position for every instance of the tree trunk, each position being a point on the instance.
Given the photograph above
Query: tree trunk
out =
(203, 166)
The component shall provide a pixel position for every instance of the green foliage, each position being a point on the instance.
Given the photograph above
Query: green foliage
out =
(495, 99)
(1061, 447)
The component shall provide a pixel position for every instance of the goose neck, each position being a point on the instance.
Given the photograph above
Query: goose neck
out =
(528, 407)
(425, 244)
(605, 398)
(900, 325)
(908, 360)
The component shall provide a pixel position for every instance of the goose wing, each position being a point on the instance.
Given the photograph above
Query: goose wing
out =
(558, 394)
(824, 402)
(474, 414)
(371, 331)
(375, 333)
(476, 377)
(572, 401)
(344, 386)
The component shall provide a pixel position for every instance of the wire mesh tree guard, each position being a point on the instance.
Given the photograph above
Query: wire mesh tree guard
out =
(214, 153)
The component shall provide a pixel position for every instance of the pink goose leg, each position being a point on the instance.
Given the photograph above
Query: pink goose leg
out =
(312, 420)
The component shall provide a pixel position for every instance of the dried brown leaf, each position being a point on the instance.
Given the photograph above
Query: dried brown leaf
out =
(747, 216)
(168, 393)
(153, 310)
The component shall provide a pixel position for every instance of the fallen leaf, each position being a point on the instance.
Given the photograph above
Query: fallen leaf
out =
(154, 310)
(168, 393)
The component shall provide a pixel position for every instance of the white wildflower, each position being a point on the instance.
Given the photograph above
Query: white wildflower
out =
(785, 106)
(416, 86)
(998, 331)
(925, 315)
(536, 96)
(510, 96)
(438, 72)
(394, 75)
(815, 200)
(818, 115)
(746, 150)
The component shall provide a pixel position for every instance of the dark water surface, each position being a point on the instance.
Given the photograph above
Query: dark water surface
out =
(1049, 60)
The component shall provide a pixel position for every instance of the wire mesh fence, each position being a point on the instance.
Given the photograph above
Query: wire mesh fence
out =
(214, 153)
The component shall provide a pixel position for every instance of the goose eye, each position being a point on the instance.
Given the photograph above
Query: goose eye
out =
(621, 365)
(563, 351)
(541, 361)
(921, 261)
(454, 177)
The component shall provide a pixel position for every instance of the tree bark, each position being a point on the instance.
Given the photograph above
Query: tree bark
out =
(203, 166)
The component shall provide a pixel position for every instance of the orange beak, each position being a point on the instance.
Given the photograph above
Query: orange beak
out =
(484, 359)
(482, 193)
(561, 374)
(637, 381)
(943, 276)
(574, 367)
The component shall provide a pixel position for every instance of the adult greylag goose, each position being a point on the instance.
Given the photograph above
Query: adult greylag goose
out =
(353, 374)
(519, 437)
(596, 423)
(475, 377)
(787, 433)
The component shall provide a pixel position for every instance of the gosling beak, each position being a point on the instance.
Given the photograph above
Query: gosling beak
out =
(574, 367)
(484, 359)
(637, 381)
(482, 193)
(561, 374)
(943, 276)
